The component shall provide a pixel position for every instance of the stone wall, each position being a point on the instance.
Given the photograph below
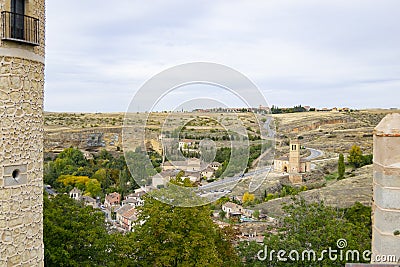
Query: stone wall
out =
(21, 146)
(21, 156)
(386, 206)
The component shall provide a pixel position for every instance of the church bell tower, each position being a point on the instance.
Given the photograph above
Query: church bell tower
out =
(294, 157)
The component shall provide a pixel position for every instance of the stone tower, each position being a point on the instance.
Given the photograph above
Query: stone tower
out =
(386, 206)
(295, 176)
(21, 142)
(294, 157)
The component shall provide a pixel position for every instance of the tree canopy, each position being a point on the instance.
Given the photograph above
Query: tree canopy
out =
(176, 236)
(357, 159)
(97, 177)
(314, 226)
(74, 235)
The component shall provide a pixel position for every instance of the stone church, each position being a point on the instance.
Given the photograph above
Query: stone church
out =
(293, 164)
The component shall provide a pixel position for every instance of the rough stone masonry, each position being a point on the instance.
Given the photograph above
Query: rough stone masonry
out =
(21, 136)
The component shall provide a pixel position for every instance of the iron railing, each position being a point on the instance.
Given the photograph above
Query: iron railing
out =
(20, 28)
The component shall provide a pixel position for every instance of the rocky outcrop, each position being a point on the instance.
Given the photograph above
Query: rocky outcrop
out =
(317, 124)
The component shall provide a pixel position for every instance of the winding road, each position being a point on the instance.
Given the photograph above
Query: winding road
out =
(315, 153)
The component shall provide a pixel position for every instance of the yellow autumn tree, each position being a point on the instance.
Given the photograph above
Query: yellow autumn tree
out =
(76, 181)
(247, 197)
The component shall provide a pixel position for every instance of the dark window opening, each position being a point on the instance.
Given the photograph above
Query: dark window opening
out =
(17, 18)
(19, 27)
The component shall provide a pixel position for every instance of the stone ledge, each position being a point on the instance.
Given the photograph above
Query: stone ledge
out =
(21, 53)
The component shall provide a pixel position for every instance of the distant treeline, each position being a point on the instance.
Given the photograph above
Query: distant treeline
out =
(299, 108)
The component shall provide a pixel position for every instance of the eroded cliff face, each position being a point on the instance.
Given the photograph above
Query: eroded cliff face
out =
(317, 124)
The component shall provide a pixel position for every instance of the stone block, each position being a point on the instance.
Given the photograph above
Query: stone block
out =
(6, 236)
(387, 221)
(385, 244)
(387, 197)
(388, 152)
(387, 177)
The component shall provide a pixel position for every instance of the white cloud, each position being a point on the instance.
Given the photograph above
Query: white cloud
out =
(98, 54)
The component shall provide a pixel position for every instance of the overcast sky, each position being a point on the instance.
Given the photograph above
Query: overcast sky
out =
(318, 53)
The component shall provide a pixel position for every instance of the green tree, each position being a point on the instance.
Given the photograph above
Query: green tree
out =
(248, 252)
(367, 159)
(222, 214)
(93, 187)
(180, 174)
(256, 214)
(316, 226)
(341, 167)
(70, 161)
(178, 180)
(140, 166)
(74, 157)
(74, 235)
(100, 175)
(177, 236)
(355, 157)
(105, 155)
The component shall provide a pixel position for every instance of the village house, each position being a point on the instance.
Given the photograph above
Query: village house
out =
(78, 196)
(112, 199)
(192, 164)
(75, 194)
(207, 173)
(134, 199)
(87, 154)
(193, 176)
(161, 179)
(133, 202)
(232, 210)
(89, 201)
(125, 216)
(129, 219)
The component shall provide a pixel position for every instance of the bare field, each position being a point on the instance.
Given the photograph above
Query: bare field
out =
(332, 132)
